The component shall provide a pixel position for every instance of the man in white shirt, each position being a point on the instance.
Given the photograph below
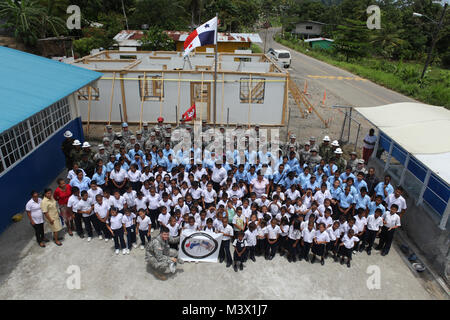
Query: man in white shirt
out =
(227, 232)
(369, 143)
(397, 198)
(391, 222)
(219, 176)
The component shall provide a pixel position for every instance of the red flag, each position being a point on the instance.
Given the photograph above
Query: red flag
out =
(190, 114)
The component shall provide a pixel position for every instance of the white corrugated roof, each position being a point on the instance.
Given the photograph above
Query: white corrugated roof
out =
(422, 130)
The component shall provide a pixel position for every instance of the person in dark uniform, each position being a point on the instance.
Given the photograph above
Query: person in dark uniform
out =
(66, 147)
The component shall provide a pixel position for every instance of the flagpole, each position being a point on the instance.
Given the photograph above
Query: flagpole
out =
(215, 73)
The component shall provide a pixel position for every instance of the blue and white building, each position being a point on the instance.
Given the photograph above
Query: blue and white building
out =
(37, 106)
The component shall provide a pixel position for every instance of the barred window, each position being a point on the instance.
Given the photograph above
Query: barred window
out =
(18, 141)
(152, 87)
(256, 86)
(83, 93)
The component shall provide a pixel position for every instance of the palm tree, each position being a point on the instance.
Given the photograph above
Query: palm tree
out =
(30, 20)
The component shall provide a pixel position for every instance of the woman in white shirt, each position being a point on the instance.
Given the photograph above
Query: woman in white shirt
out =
(118, 178)
(134, 177)
(34, 212)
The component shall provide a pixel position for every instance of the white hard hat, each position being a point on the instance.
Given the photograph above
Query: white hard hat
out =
(338, 151)
(86, 145)
(335, 143)
(326, 138)
(76, 143)
(68, 134)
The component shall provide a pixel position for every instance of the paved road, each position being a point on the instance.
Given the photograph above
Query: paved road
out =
(350, 88)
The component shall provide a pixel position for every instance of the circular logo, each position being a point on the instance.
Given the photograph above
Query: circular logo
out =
(199, 245)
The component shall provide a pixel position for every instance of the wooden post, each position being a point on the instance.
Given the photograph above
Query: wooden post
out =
(89, 109)
(201, 99)
(223, 97)
(249, 99)
(142, 100)
(178, 101)
(161, 95)
(112, 97)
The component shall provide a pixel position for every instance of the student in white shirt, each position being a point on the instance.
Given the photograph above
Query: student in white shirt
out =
(284, 227)
(321, 238)
(250, 237)
(346, 246)
(191, 224)
(360, 223)
(334, 233)
(240, 248)
(397, 198)
(129, 221)
(116, 227)
(273, 233)
(153, 206)
(227, 231)
(374, 223)
(101, 209)
(163, 218)
(72, 204)
(261, 238)
(294, 236)
(118, 178)
(134, 177)
(85, 207)
(391, 222)
(94, 190)
(118, 201)
(307, 239)
(174, 233)
(130, 198)
(209, 196)
(143, 226)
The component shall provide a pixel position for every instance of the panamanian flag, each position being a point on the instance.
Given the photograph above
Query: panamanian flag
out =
(203, 35)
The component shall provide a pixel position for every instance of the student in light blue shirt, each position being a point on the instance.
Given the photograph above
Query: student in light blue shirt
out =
(312, 184)
(362, 200)
(240, 174)
(336, 190)
(384, 189)
(80, 181)
(161, 160)
(251, 174)
(377, 204)
(289, 180)
(110, 164)
(346, 201)
(304, 177)
(330, 168)
(354, 192)
(279, 175)
(334, 177)
(135, 151)
(347, 174)
(292, 161)
(171, 163)
(359, 182)
(100, 176)
(167, 150)
(267, 171)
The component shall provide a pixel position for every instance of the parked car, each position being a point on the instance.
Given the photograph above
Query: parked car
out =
(281, 56)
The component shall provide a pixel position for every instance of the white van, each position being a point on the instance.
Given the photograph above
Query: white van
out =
(281, 56)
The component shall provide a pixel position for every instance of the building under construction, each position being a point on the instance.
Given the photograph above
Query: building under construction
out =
(140, 86)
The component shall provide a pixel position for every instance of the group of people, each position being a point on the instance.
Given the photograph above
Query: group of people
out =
(312, 204)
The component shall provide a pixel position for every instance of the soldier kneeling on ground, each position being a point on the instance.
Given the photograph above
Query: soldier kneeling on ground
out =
(161, 258)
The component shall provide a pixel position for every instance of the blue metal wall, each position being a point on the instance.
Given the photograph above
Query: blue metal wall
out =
(34, 172)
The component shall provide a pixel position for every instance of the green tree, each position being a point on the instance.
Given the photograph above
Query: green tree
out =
(30, 20)
(166, 14)
(156, 39)
(352, 39)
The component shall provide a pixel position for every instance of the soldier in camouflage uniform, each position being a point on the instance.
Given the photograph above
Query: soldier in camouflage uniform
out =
(126, 132)
(140, 139)
(339, 161)
(130, 145)
(292, 143)
(86, 149)
(325, 150)
(160, 125)
(305, 153)
(101, 154)
(110, 134)
(145, 131)
(152, 141)
(353, 162)
(116, 147)
(108, 146)
(160, 257)
(76, 152)
(314, 159)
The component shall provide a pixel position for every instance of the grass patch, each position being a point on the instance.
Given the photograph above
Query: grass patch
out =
(403, 77)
